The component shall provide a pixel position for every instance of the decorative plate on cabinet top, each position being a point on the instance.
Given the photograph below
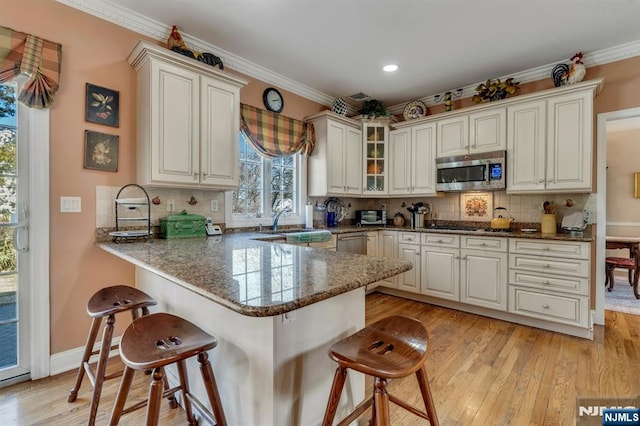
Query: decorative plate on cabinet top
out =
(414, 109)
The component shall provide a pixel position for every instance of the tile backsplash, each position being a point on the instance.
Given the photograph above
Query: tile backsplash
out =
(446, 206)
(106, 196)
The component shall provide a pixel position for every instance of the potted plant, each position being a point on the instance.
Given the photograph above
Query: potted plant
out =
(373, 108)
(495, 90)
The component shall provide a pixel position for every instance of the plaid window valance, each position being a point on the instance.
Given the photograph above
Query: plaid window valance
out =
(37, 58)
(274, 135)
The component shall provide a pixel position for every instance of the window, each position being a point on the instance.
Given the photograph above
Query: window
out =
(265, 187)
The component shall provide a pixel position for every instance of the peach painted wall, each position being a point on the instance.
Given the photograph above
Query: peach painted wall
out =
(95, 51)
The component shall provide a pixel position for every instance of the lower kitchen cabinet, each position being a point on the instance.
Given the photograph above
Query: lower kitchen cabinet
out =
(388, 247)
(410, 280)
(483, 278)
(549, 280)
(441, 272)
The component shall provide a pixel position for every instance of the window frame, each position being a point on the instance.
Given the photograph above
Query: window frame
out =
(297, 217)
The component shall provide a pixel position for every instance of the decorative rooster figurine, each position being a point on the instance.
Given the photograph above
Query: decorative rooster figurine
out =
(576, 71)
(175, 40)
(177, 44)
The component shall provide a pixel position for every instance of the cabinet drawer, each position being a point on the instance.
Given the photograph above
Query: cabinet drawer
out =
(574, 285)
(566, 309)
(546, 265)
(409, 237)
(441, 240)
(484, 243)
(565, 249)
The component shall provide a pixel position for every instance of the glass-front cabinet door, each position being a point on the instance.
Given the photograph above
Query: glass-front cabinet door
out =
(376, 136)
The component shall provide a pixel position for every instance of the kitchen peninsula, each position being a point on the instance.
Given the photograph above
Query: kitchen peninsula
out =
(275, 310)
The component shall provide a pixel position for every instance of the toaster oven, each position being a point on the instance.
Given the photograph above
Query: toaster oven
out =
(371, 217)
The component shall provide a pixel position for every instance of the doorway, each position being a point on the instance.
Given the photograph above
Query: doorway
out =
(24, 259)
(605, 121)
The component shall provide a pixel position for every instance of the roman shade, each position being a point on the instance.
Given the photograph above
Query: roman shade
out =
(274, 135)
(37, 58)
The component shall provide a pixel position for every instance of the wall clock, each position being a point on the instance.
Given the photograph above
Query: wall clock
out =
(273, 100)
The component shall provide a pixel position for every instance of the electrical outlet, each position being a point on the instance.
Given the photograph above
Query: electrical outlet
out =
(214, 205)
(171, 205)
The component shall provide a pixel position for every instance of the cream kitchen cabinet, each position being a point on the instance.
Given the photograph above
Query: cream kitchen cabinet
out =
(549, 280)
(372, 244)
(409, 250)
(335, 167)
(188, 121)
(412, 156)
(440, 266)
(550, 143)
(481, 131)
(483, 271)
(388, 247)
(375, 162)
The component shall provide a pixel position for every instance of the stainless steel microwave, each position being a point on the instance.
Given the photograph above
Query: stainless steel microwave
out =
(472, 172)
(371, 217)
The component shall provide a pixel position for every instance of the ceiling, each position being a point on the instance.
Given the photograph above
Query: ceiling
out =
(338, 47)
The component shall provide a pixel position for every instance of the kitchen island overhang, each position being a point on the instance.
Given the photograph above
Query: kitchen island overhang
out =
(276, 310)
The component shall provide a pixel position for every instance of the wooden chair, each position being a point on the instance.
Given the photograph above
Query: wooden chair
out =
(628, 263)
(151, 343)
(391, 348)
(107, 302)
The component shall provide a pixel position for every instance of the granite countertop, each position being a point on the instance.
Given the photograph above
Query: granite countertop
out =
(585, 236)
(256, 278)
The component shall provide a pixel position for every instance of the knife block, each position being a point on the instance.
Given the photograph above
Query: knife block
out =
(549, 224)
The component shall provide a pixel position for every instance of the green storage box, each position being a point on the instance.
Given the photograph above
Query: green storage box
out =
(182, 225)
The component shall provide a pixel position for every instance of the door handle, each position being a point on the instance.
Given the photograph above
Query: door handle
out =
(16, 238)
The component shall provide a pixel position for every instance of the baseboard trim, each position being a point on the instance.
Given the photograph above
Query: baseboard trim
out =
(70, 360)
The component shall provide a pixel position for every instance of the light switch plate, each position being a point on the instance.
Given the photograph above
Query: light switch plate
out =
(70, 205)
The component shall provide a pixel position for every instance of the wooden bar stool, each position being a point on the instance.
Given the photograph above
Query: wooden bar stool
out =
(155, 341)
(391, 348)
(107, 302)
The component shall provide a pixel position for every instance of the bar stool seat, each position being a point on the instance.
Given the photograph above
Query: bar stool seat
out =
(391, 348)
(107, 302)
(154, 342)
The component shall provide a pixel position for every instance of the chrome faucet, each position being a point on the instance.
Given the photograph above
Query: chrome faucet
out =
(277, 217)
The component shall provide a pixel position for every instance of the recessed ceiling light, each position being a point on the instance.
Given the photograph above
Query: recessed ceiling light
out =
(390, 68)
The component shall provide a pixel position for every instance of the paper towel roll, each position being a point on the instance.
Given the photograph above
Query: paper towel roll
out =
(308, 216)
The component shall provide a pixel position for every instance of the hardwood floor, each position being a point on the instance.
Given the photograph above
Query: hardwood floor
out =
(482, 372)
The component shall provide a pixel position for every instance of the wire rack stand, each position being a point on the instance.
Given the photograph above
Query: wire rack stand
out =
(122, 205)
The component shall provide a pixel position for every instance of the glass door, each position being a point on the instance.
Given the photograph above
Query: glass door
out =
(375, 155)
(14, 289)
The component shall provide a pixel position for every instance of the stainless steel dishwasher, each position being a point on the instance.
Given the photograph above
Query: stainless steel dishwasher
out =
(352, 242)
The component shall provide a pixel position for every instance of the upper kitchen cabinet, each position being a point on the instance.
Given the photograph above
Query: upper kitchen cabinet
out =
(335, 167)
(550, 141)
(412, 151)
(375, 164)
(481, 131)
(188, 121)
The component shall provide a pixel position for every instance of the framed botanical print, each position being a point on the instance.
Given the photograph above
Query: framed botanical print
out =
(100, 151)
(102, 105)
(476, 206)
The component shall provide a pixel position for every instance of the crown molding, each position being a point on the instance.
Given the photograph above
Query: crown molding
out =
(104, 9)
(600, 57)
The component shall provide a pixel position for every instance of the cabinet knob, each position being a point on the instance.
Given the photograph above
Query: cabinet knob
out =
(545, 306)
(440, 241)
(546, 248)
(540, 180)
(456, 257)
(204, 174)
(483, 244)
(195, 175)
(464, 257)
(545, 282)
(546, 265)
